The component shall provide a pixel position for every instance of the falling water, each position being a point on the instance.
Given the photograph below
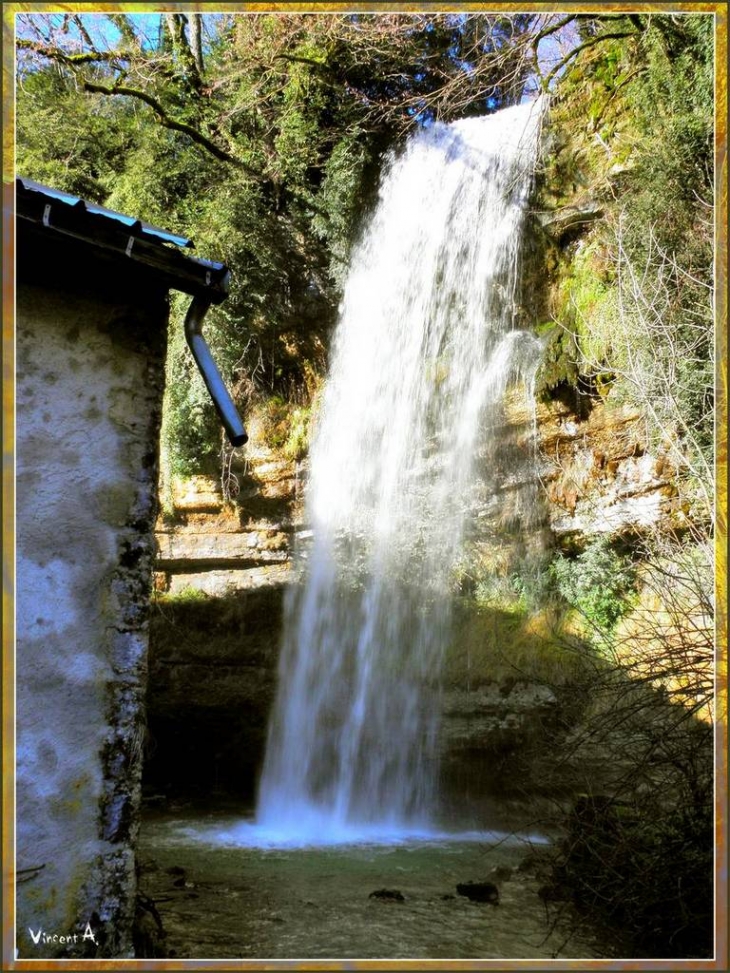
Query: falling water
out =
(426, 345)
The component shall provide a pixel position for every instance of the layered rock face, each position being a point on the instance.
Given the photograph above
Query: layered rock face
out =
(214, 547)
(222, 572)
(220, 578)
(599, 476)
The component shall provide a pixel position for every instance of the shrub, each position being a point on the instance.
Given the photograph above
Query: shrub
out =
(599, 583)
(638, 852)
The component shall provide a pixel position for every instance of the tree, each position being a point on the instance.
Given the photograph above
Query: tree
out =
(261, 135)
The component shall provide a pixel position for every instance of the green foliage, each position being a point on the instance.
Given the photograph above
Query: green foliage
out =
(599, 583)
(187, 596)
(190, 428)
(559, 363)
(674, 162)
(284, 426)
(499, 641)
(68, 139)
(273, 416)
(633, 294)
(339, 207)
(296, 446)
(590, 301)
(524, 590)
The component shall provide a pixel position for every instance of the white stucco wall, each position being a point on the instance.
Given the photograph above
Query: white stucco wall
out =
(89, 387)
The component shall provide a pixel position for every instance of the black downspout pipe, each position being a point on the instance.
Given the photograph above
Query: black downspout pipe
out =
(209, 370)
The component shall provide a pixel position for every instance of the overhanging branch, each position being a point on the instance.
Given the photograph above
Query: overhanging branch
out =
(171, 123)
(87, 57)
(166, 120)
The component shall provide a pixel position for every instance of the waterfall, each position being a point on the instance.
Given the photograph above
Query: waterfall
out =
(427, 343)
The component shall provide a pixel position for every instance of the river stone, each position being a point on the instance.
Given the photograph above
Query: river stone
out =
(479, 892)
(388, 895)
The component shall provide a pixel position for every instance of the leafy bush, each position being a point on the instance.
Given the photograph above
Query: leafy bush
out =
(296, 446)
(599, 583)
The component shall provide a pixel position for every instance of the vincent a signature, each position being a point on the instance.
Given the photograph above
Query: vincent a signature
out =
(59, 939)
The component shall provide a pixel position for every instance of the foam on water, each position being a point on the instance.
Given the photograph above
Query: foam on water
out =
(317, 833)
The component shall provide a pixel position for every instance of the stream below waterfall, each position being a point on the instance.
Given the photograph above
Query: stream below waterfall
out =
(222, 895)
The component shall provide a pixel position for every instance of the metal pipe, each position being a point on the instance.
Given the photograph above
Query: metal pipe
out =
(209, 370)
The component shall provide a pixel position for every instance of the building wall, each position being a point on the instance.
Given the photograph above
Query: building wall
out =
(90, 373)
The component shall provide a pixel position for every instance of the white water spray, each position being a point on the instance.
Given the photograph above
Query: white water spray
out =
(426, 345)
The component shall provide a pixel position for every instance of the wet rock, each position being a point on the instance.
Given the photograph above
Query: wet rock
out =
(388, 895)
(528, 864)
(569, 222)
(479, 892)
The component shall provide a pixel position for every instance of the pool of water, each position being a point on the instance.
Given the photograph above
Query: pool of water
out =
(226, 888)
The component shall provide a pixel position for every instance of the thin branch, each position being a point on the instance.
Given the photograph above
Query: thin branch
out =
(88, 57)
(86, 37)
(296, 59)
(171, 123)
(123, 25)
(552, 28)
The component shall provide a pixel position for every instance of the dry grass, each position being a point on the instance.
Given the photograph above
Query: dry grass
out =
(497, 645)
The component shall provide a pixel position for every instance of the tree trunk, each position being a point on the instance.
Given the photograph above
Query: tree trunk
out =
(196, 39)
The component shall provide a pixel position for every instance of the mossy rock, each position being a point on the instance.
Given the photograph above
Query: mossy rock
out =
(560, 361)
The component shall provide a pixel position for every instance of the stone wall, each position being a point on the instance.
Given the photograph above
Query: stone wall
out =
(600, 477)
(90, 373)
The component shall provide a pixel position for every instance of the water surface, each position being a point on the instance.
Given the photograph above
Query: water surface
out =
(225, 888)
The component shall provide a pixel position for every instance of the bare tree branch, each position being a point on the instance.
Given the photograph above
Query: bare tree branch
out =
(123, 25)
(171, 123)
(85, 57)
(84, 32)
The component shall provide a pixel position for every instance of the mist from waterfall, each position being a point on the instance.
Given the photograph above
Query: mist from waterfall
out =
(427, 343)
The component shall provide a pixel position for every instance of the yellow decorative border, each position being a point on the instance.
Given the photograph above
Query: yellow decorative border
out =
(722, 956)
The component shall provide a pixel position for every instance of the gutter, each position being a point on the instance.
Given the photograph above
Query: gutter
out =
(220, 395)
